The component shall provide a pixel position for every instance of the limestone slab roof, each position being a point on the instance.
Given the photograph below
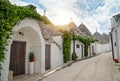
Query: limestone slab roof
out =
(85, 30)
(48, 32)
(75, 29)
(102, 39)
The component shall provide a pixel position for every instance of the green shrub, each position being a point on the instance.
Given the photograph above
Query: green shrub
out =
(31, 57)
(94, 53)
(74, 56)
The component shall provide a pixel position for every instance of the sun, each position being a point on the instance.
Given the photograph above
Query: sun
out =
(62, 18)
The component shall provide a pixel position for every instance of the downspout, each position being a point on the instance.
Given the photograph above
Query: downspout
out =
(112, 45)
(73, 43)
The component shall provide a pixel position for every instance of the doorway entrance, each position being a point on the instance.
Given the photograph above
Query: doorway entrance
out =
(47, 56)
(17, 58)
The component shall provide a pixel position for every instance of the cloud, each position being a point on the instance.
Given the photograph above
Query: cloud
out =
(18, 2)
(95, 14)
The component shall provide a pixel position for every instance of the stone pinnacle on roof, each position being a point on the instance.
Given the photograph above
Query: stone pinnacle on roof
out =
(44, 12)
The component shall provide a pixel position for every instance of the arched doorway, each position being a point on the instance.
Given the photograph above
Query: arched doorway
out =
(26, 39)
(17, 57)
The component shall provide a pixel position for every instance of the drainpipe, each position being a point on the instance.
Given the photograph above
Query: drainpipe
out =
(112, 45)
(73, 43)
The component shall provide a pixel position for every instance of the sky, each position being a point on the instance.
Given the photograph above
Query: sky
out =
(95, 14)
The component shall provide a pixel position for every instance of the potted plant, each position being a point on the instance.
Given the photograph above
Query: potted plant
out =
(31, 57)
(31, 62)
(74, 56)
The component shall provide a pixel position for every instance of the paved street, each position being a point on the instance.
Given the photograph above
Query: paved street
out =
(98, 68)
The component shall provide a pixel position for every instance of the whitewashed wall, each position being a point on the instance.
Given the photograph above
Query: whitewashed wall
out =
(56, 52)
(92, 49)
(56, 56)
(4, 72)
(101, 48)
(116, 38)
(33, 38)
(77, 50)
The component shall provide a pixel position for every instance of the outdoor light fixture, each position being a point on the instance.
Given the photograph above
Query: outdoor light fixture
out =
(21, 33)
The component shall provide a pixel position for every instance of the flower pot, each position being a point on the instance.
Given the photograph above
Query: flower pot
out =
(31, 67)
(116, 60)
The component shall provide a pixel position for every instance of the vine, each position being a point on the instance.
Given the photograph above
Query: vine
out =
(9, 16)
(86, 41)
(67, 37)
(66, 46)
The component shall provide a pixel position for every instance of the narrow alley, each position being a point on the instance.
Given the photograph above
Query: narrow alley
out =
(98, 68)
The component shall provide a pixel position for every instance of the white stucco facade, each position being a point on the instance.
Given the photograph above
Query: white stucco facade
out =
(56, 56)
(115, 37)
(101, 48)
(34, 43)
(31, 31)
(79, 49)
(92, 49)
(56, 52)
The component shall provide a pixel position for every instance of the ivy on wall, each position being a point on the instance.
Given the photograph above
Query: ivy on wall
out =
(9, 16)
(86, 41)
(67, 37)
(66, 46)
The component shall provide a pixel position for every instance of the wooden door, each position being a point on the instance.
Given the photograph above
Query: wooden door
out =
(89, 50)
(82, 51)
(93, 49)
(17, 58)
(47, 56)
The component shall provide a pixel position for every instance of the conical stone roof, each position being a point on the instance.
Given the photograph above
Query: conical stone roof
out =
(85, 30)
(48, 31)
(100, 38)
(73, 28)
(105, 36)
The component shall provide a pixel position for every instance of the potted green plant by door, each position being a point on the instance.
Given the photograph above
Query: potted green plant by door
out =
(31, 62)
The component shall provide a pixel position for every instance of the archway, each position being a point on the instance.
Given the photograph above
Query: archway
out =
(31, 37)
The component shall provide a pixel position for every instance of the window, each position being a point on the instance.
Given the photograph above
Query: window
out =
(77, 46)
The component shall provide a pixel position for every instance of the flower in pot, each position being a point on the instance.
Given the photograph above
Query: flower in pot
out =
(31, 57)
